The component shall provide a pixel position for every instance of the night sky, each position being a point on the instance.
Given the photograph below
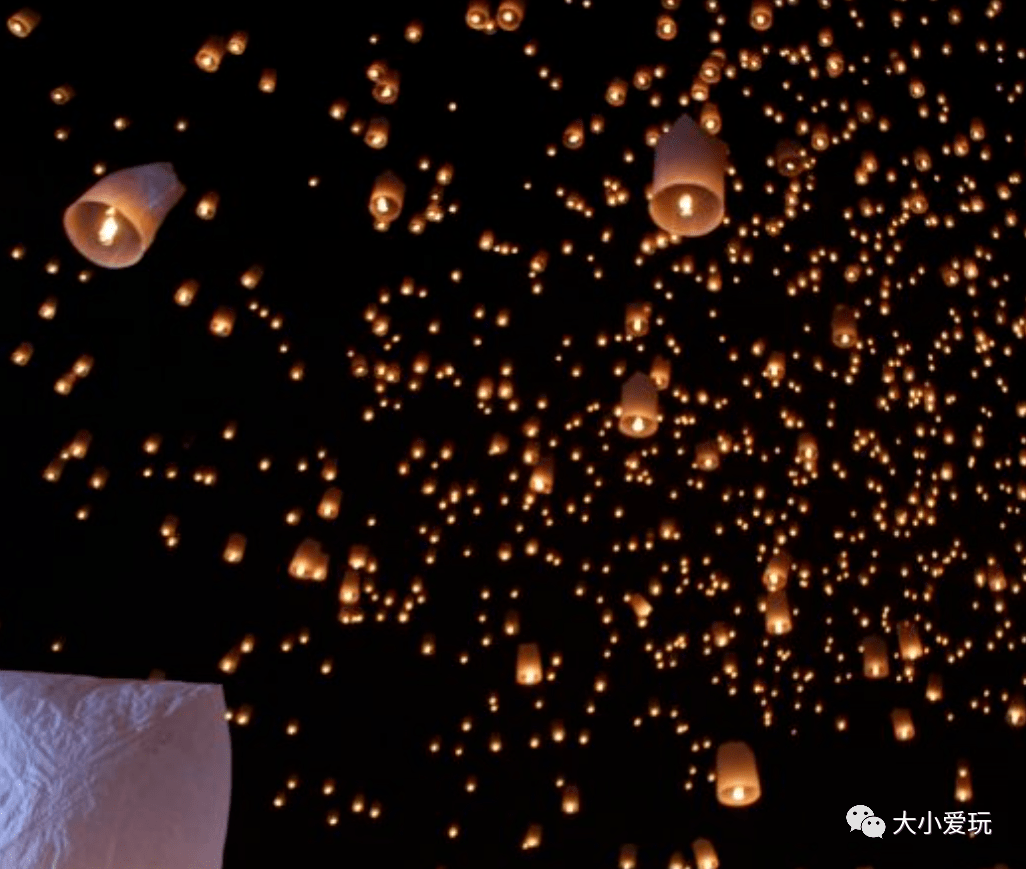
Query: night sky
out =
(431, 370)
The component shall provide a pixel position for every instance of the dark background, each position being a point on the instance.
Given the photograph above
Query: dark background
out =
(124, 605)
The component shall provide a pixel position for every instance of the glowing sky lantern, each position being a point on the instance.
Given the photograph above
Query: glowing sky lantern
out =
(529, 664)
(639, 406)
(115, 221)
(737, 776)
(688, 180)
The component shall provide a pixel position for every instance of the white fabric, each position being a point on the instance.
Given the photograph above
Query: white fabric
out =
(112, 773)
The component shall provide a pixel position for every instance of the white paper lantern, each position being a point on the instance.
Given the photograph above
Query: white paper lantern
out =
(112, 772)
(688, 181)
(639, 406)
(737, 777)
(114, 222)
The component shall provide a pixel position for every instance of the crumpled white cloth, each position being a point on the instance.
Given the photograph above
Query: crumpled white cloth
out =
(112, 773)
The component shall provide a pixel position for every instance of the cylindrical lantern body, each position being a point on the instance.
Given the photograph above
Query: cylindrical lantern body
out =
(529, 664)
(115, 221)
(843, 327)
(875, 663)
(963, 783)
(639, 406)
(705, 854)
(761, 15)
(637, 317)
(542, 476)
(707, 456)
(901, 720)
(208, 58)
(774, 577)
(737, 777)
(235, 548)
(909, 644)
(571, 800)
(1017, 711)
(660, 372)
(387, 197)
(510, 14)
(688, 180)
(934, 688)
(778, 613)
(23, 22)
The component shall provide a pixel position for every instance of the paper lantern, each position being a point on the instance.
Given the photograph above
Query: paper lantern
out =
(934, 688)
(376, 135)
(309, 562)
(616, 93)
(206, 208)
(349, 590)
(707, 456)
(901, 721)
(571, 800)
(778, 613)
(331, 503)
(237, 42)
(843, 327)
(909, 645)
(208, 58)
(737, 777)
(542, 476)
(268, 81)
(963, 783)
(637, 318)
(639, 406)
(62, 95)
(478, 14)
(222, 322)
(705, 854)
(386, 199)
(774, 577)
(386, 88)
(112, 772)
(533, 837)
(688, 180)
(1016, 715)
(761, 15)
(790, 158)
(628, 857)
(235, 548)
(23, 22)
(510, 14)
(115, 221)
(660, 372)
(875, 661)
(529, 664)
(709, 119)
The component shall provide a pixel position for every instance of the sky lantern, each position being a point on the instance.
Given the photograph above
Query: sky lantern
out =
(778, 613)
(963, 783)
(760, 17)
(115, 221)
(639, 406)
(23, 22)
(386, 200)
(875, 660)
(529, 664)
(901, 721)
(843, 327)
(637, 318)
(705, 854)
(737, 777)
(909, 645)
(688, 180)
